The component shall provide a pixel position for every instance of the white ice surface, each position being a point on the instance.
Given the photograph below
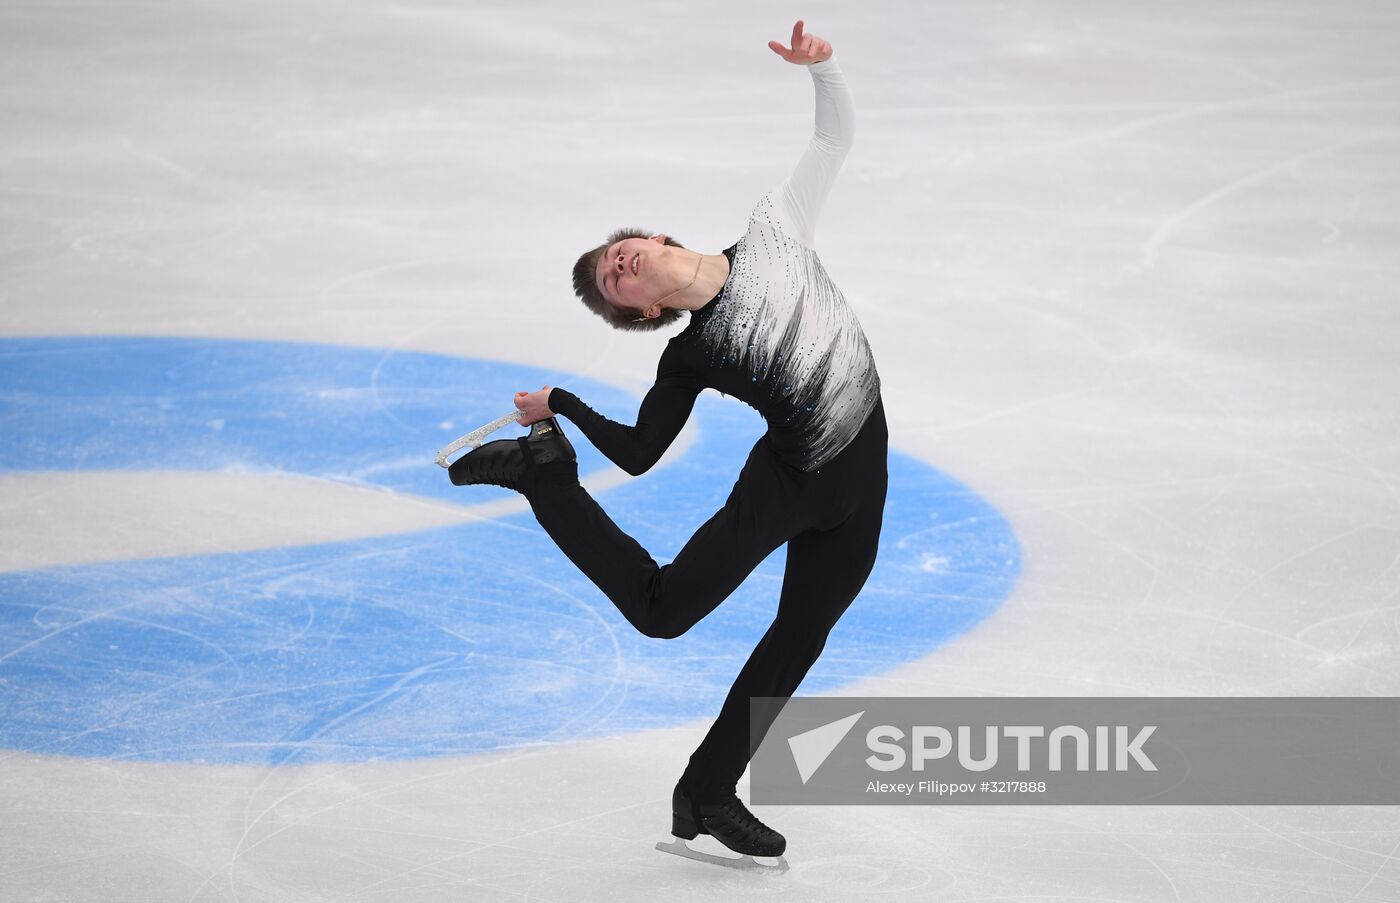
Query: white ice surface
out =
(56, 518)
(1128, 270)
(51, 518)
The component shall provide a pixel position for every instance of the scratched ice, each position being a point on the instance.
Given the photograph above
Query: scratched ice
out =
(1128, 273)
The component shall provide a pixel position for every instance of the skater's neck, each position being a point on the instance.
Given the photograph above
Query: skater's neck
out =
(707, 276)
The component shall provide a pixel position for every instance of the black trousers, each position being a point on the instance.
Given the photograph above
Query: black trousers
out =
(830, 518)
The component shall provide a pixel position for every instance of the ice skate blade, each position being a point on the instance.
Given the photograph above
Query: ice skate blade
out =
(475, 437)
(743, 863)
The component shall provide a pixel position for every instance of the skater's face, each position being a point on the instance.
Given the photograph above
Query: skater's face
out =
(628, 272)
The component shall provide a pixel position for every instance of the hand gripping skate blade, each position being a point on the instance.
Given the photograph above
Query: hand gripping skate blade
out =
(745, 863)
(475, 437)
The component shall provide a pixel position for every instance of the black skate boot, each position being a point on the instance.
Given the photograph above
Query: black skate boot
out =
(520, 464)
(728, 821)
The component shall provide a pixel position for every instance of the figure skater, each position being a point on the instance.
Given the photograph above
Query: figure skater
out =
(767, 326)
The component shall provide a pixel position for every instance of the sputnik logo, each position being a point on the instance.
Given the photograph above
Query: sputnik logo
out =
(811, 748)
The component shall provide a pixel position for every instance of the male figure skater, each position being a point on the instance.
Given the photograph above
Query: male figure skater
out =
(767, 326)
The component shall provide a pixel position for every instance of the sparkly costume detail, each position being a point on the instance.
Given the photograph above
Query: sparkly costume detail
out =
(779, 336)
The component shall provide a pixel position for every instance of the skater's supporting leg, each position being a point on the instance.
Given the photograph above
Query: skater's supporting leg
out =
(825, 571)
(666, 600)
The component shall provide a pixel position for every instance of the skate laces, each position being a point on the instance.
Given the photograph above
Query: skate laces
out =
(503, 471)
(740, 815)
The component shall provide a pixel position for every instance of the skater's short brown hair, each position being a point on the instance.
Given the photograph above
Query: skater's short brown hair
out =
(586, 287)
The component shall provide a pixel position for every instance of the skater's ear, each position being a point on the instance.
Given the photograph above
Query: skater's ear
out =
(660, 239)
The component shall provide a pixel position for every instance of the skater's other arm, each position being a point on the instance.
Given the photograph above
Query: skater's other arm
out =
(799, 200)
(635, 449)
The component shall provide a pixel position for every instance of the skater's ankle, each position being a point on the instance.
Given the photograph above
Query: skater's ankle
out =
(551, 478)
(701, 795)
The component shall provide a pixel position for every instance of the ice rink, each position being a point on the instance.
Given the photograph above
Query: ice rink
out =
(1128, 271)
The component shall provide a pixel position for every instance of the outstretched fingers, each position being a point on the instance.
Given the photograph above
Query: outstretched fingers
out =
(805, 49)
(786, 53)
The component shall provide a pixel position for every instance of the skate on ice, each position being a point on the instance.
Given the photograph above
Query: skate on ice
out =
(730, 823)
(679, 847)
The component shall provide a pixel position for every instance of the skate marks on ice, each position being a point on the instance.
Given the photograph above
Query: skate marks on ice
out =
(857, 874)
(447, 640)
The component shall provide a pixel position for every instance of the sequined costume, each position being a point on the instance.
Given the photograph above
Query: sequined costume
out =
(778, 336)
(781, 337)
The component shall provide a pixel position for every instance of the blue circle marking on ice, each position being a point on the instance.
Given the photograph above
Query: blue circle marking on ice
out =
(438, 642)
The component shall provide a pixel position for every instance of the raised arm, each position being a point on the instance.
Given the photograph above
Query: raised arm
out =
(799, 200)
(635, 449)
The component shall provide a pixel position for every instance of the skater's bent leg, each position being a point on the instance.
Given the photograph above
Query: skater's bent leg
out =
(825, 571)
(666, 600)
(615, 562)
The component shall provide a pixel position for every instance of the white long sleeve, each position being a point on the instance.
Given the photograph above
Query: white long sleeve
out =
(780, 335)
(798, 201)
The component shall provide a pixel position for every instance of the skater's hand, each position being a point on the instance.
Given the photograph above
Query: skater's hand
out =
(533, 406)
(805, 50)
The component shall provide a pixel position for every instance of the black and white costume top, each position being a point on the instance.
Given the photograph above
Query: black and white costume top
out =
(779, 336)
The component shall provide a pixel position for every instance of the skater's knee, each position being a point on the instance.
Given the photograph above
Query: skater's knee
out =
(668, 611)
(663, 629)
(799, 639)
(666, 622)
